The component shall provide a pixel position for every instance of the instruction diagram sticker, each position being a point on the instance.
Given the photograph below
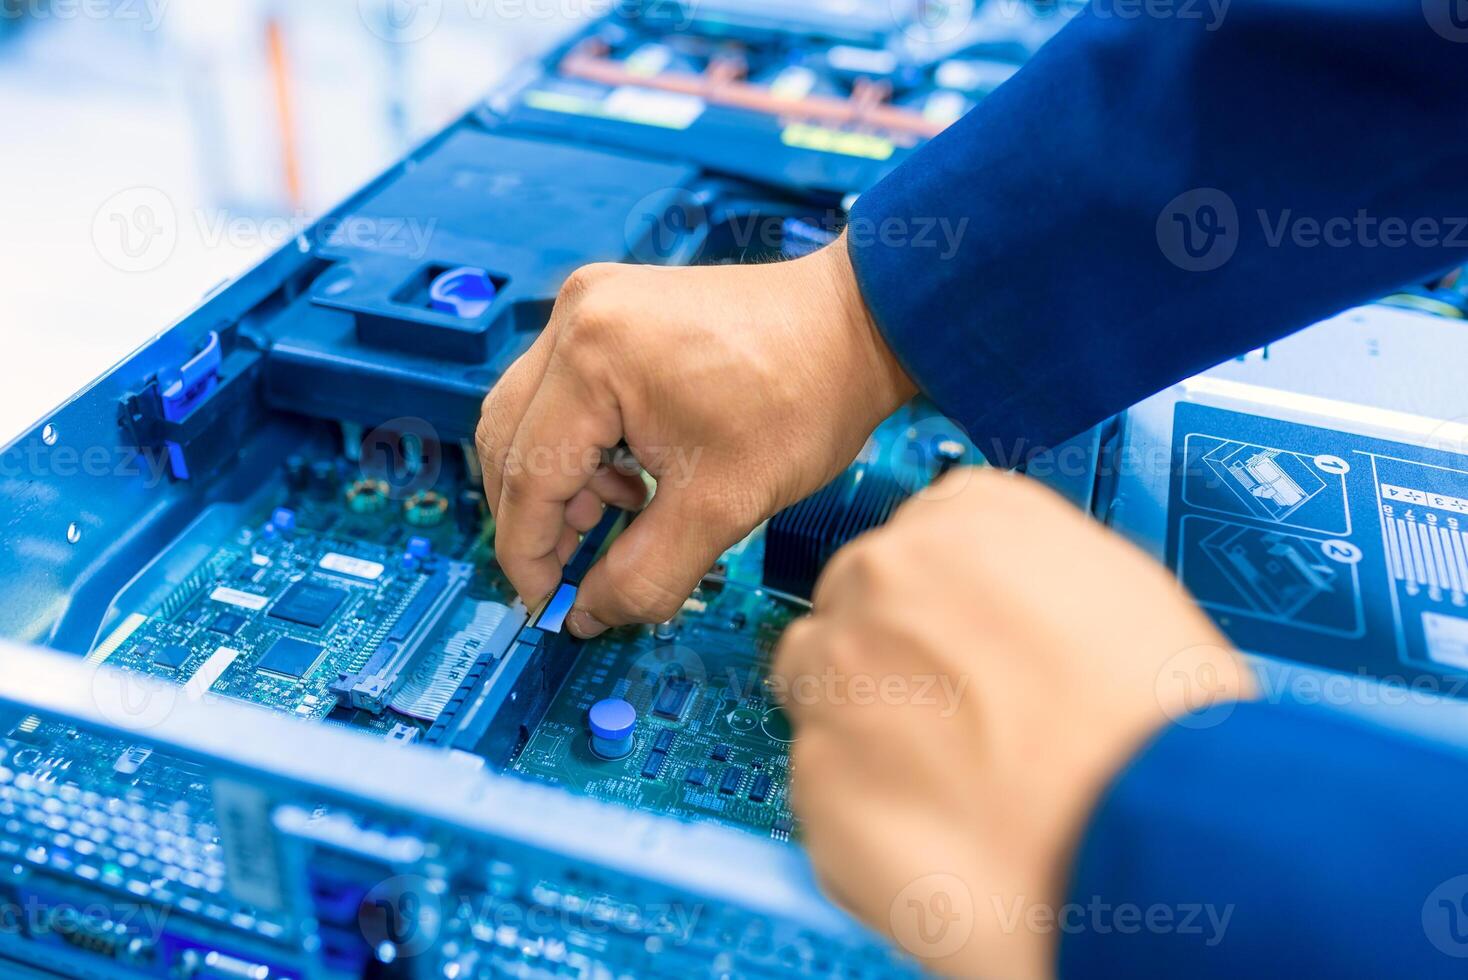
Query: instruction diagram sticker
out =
(1326, 547)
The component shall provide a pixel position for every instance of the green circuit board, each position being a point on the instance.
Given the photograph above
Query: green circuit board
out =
(274, 616)
(711, 743)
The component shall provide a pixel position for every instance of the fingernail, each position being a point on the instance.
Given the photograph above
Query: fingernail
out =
(584, 625)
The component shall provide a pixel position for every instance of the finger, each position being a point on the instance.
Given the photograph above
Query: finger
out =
(505, 406)
(793, 650)
(849, 569)
(566, 547)
(619, 489)
(556, 452)
(653, 566)
(584, 511)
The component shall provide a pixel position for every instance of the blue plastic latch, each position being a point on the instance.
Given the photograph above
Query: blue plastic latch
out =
(465, 292)
(555, 612)
(188, 388)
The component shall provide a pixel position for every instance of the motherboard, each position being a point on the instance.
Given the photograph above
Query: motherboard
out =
(342, 600)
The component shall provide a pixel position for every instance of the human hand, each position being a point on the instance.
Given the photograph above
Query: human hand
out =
(975, 673)
(740, 390)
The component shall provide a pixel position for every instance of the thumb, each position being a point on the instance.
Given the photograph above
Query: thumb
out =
(653, 566)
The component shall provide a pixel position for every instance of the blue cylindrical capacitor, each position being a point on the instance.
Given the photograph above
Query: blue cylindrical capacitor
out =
(613, 722)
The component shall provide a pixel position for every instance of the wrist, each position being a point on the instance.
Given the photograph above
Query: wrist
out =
(875, 361)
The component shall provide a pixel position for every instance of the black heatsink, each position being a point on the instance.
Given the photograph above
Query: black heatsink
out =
(803, 537)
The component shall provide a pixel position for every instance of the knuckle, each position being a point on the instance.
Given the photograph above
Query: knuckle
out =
(640, 597)
(863, 565)
(582, 280)
(798, 638)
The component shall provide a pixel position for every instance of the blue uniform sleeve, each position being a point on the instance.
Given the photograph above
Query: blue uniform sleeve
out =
(1274, 841)
(1153, 194)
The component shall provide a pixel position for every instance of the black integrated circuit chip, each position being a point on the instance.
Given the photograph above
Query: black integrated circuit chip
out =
(290, 657)
(172, 656)
(308, 604)
(673, 698)
(733, 776)
(653, 767)
(228, 623)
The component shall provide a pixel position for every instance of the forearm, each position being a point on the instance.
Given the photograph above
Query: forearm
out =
(1027, 266)
(1273, 841)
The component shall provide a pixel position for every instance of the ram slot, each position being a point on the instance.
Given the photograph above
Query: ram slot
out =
(392, 663)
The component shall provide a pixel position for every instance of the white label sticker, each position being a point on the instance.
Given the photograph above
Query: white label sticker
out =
(671, 110)
(361, 568)
(207, 675)
(245, 600)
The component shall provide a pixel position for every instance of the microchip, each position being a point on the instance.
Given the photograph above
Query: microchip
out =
(696, 776)
(784, 825)
(654, 765)
(228, 623)
(664, 741)
(307, 604)
(173, 657)
(733, 776)
(290, 657)
(760, 791)
(720, 752)
(673, 698)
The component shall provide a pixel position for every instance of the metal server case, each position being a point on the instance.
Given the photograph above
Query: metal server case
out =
(168, 809)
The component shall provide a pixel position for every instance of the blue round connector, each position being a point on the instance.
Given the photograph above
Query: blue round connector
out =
(613, 722)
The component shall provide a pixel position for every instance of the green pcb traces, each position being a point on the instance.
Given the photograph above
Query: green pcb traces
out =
(710, 741)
